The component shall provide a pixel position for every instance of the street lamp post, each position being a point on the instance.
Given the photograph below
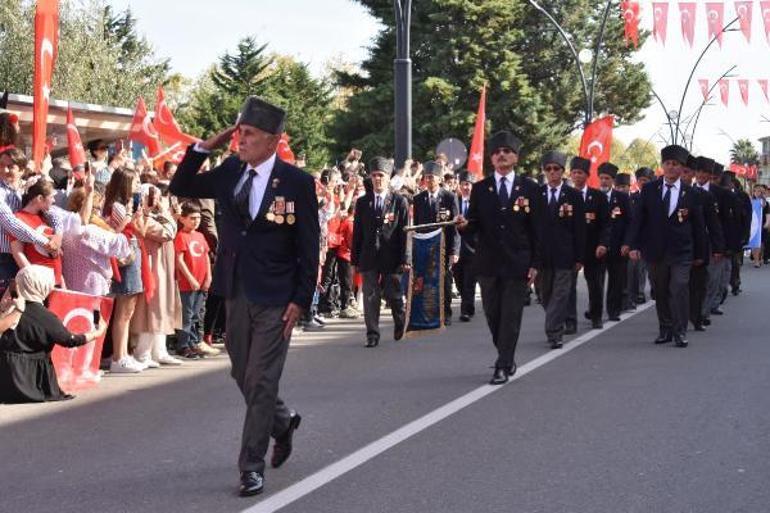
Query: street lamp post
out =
(403, 82)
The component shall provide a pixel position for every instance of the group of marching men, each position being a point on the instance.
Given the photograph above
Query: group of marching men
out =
(685, 229)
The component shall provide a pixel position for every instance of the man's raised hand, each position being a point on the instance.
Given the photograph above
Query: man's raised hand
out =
(218, 140)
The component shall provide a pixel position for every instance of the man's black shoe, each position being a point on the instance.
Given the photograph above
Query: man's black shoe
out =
(736, 291)
(465, 318)
(587, 315)
(680, 340)
(398, 331)
(283, 444)
(372, 342)
(699, 327)
(640, 300)
(664, 338)
(252, 483)
(500, 377)
(597, 325)
(717, 311)
(511, 371)
(614, 318)
(556, 344)
(706, 322)
(570, 329)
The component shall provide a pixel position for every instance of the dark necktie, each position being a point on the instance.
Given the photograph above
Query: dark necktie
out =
(503, 192)
(552, 201)
(378, 206)
(667, 199)
(465, 208)
(244, 195)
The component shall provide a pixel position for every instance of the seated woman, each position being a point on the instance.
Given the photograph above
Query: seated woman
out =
(26, 370)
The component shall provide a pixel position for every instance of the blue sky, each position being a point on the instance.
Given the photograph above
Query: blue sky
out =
(194, 33)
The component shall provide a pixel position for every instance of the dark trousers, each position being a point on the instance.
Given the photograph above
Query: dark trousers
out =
(377, 286)
(555, 289)
(328, 301)
(448, 278)
(214, 317)
(503, 301)
(637, 280)
(465, 278)
(699, 278)
(672, 295)
(593, 273)
(735, 272)
(616, 283)
(192, 305)
(345, 275)
(257, 352)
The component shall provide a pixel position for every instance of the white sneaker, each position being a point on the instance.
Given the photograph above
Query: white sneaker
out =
(169, 360)
(147, 362)
(206, 349)
(141, 365)
(125, 365)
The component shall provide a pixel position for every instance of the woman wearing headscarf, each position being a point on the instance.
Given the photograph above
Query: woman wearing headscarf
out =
(26, 370)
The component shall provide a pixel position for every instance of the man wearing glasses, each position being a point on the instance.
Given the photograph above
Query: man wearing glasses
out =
(504, 212)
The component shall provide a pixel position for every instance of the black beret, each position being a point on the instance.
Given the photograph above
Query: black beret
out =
(717, 169)
(608, 168)
(381, 164)
(645, 172)
(262, 115)
(504, 139)
(466, 176)
(692, 163)
(674, 152)
(554, 157)
(623, 179)
(431, 167)
(704, 164)
(580, 164)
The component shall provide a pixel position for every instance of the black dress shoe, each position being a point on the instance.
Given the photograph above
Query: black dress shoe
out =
(570, 329)
(372, 342)
(680, 340)
(699, 327)
(664, 338)
(640, 300)
(556, 344)
(614, 318)
(398, 332)
(283, 444)
(252, 483)
(587, 315)
(717, 311)
(706, 322)
(597, 325)
(511, 371)
(500, 377)
(465, 318)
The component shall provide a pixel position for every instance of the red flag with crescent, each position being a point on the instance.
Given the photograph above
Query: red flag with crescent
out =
(631, 19)
(715, 13)
(744, 9)
(596, 145)
(167, 127)
(763, 86)
(46, 51)
(76, 152)
(765, 6)
(660, 24)
(284, 150)
(743, 87)
(687, 13)
(724, 91)
(704, 88)
(143, 130)
(476, 157)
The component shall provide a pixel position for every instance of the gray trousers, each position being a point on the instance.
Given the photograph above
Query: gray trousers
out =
(503, 301)
(672, 295)
(715, 271)
(728, 272)
(555, 290)
(637, 278)
(257, 352)
(375, 287)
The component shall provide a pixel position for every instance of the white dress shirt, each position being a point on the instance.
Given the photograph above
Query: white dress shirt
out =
(382, 197)
(464, 204)
(548, 191)
(584, 192)
(674, 195)
(706, 186)
(509, 179)
(259, 184)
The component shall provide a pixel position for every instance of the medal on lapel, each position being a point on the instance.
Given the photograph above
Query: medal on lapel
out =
(616, 212)
(443, 215)
(590, 216)
(682, 214)
(276, 181)
(280, 209)
(290, 218)
(270, 216)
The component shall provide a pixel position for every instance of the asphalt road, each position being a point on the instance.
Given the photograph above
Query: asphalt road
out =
(614, 425)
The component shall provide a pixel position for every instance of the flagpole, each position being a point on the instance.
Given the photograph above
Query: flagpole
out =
(403, 82)
(703, 104)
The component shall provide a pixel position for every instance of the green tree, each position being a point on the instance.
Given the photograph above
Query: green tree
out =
(458, 45)
(744, 152)
(640, 153)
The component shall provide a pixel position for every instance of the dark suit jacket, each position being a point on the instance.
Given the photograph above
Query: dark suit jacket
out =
(619, 212)
(508, 242)
(747, 212)
(662, 237)
(597, 223)
(467, 241)
(446, 204)
(379, 242)
(715, 240)
(563, 229)
(726, 205)
(275, 264)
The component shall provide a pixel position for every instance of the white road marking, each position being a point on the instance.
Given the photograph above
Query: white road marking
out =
(374, 449)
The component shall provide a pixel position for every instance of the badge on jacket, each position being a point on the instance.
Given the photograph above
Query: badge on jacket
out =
(522, 202)
(682, 214)
(616, 212)
(565, 210)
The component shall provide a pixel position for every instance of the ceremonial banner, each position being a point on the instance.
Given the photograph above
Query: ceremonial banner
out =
(660, 12)
(284, 151)
(143, 130)
(724, 91)
(687, 13)
(630, 10)
(476, 158)
(763, 86)
(425, 295)
(765, 5)
(755, 239)
(78, 368)
(715, 12)
(704, 88)
(76, 152)
(596, 145)
(167, 127)
(46, 51)
(743, 86)
(744, 9)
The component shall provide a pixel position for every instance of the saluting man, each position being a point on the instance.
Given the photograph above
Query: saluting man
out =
(504, 213)
(563, 244)
(266, 269)
(435, 205)
(380, 252)
(668, 232)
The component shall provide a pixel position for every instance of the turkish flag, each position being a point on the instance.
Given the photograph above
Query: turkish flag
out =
(687, 13)
(765, 5)
(78, 368)
(744, 9)
(660, 13)
(174, 153)
(476, 157)
(743, 86)
(724, 91)
(46, 51)
(631, 19)
(715, 13)
(704, 88)
(143, 130)
(596, 145)
(167, 127)
(763, 86)
(738, 169)
(76, 152)
(284, 150)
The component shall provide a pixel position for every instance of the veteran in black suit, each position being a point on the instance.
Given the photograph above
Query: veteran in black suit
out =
(504, 213)
(668, 232)
(435, 205)
(619, 210)
(266, 269)
(380, 252)
(465, 269)
(563, 243)
(637, 269)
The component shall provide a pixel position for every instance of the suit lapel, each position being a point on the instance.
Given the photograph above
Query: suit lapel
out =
(269, 196)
